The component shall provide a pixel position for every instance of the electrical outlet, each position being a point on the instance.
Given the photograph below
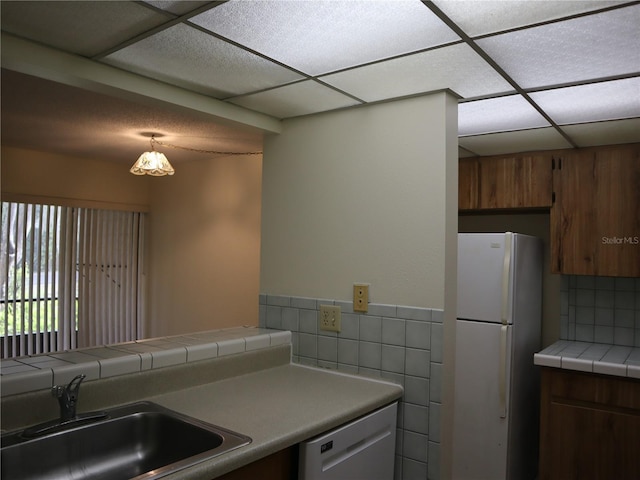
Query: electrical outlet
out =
(329, 318)
(360, 297)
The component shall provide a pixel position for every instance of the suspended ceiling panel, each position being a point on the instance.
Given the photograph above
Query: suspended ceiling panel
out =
(592, 102)
(516, 141)
(481, 17)
(604, 133)
(84, 28)
(295, 100)
(456, 67)
(498, 114)
(581, 49)
(317, 37)
(179, 7)
(211, 66)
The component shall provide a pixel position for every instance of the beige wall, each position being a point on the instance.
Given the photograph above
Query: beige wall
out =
(359, 196)
(368, 195)
(203, 229)
(538, 226)
(70, 180)
(205, 246)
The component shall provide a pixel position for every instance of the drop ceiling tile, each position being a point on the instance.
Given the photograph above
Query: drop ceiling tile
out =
(301, 98)
(179, 7)
(605, 133)
(498, 114)
(514, 142)
(318, 37)
(189, 58)
(591, 103)
(490, 16)
(456, 67)
(594, 46)
(83, 28)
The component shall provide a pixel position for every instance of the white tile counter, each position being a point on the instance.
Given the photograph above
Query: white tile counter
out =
(30, 373)
(599, 358)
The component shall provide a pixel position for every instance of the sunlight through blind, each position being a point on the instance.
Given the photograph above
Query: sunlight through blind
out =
(70, 277)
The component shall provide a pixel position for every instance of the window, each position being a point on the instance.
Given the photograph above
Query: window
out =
(69, 278)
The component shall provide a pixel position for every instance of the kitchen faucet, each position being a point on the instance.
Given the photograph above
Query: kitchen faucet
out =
(68, 398)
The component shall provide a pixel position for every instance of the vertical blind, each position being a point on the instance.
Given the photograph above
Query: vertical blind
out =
(70, 277)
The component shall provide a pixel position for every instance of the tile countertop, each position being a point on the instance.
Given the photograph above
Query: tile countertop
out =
(599, 358)
(257, 392)
(36, 372)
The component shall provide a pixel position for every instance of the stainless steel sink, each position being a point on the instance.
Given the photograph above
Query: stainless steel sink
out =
(137, 441)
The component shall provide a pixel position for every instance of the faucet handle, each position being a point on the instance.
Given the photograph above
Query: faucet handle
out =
(72, 388)
(74, 385)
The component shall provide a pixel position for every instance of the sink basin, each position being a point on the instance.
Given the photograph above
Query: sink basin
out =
(137, 441)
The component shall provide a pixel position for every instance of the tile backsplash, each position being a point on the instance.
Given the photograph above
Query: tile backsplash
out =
(396, 343)
(600, 309)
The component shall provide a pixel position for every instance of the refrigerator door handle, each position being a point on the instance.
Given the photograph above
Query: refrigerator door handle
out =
(506, 267)
(502, 381)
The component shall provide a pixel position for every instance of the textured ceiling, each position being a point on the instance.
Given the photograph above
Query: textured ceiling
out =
(530, 74)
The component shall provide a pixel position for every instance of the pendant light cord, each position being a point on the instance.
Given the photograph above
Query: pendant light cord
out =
(211, 152)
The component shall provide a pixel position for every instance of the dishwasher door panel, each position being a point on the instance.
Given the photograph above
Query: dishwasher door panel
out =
(361, 450)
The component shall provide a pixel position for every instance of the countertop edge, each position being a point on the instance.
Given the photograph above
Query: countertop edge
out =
(590, 357)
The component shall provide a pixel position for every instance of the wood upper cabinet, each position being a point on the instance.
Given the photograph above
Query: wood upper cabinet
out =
(595, 220)
(589, 426)
(515, 182)
(468, 184)
(508, 183)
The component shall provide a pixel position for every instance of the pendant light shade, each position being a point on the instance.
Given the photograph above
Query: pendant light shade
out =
(152, 163)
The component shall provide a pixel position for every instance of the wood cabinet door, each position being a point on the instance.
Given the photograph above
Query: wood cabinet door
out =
(523, 181)
(589, 427)
(595, 221)
(468, 184)
(281, 465)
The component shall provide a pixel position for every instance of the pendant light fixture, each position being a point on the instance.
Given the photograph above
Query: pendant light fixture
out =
(152, 163)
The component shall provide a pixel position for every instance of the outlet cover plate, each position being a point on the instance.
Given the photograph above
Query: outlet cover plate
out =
(361, 297)
(329, 318)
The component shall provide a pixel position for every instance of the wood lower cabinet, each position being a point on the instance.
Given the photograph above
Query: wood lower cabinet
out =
(589, 426)
(282, 465)
(595, 220)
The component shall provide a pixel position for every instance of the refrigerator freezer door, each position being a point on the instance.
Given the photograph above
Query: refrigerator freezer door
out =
(480, 433)
(482, 286)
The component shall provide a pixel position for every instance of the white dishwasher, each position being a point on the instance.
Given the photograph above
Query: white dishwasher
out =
(361, 450)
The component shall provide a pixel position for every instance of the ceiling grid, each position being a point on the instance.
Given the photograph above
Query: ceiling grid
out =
(529, 74)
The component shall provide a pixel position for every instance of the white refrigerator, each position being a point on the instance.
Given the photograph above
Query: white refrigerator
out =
(498, 330)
